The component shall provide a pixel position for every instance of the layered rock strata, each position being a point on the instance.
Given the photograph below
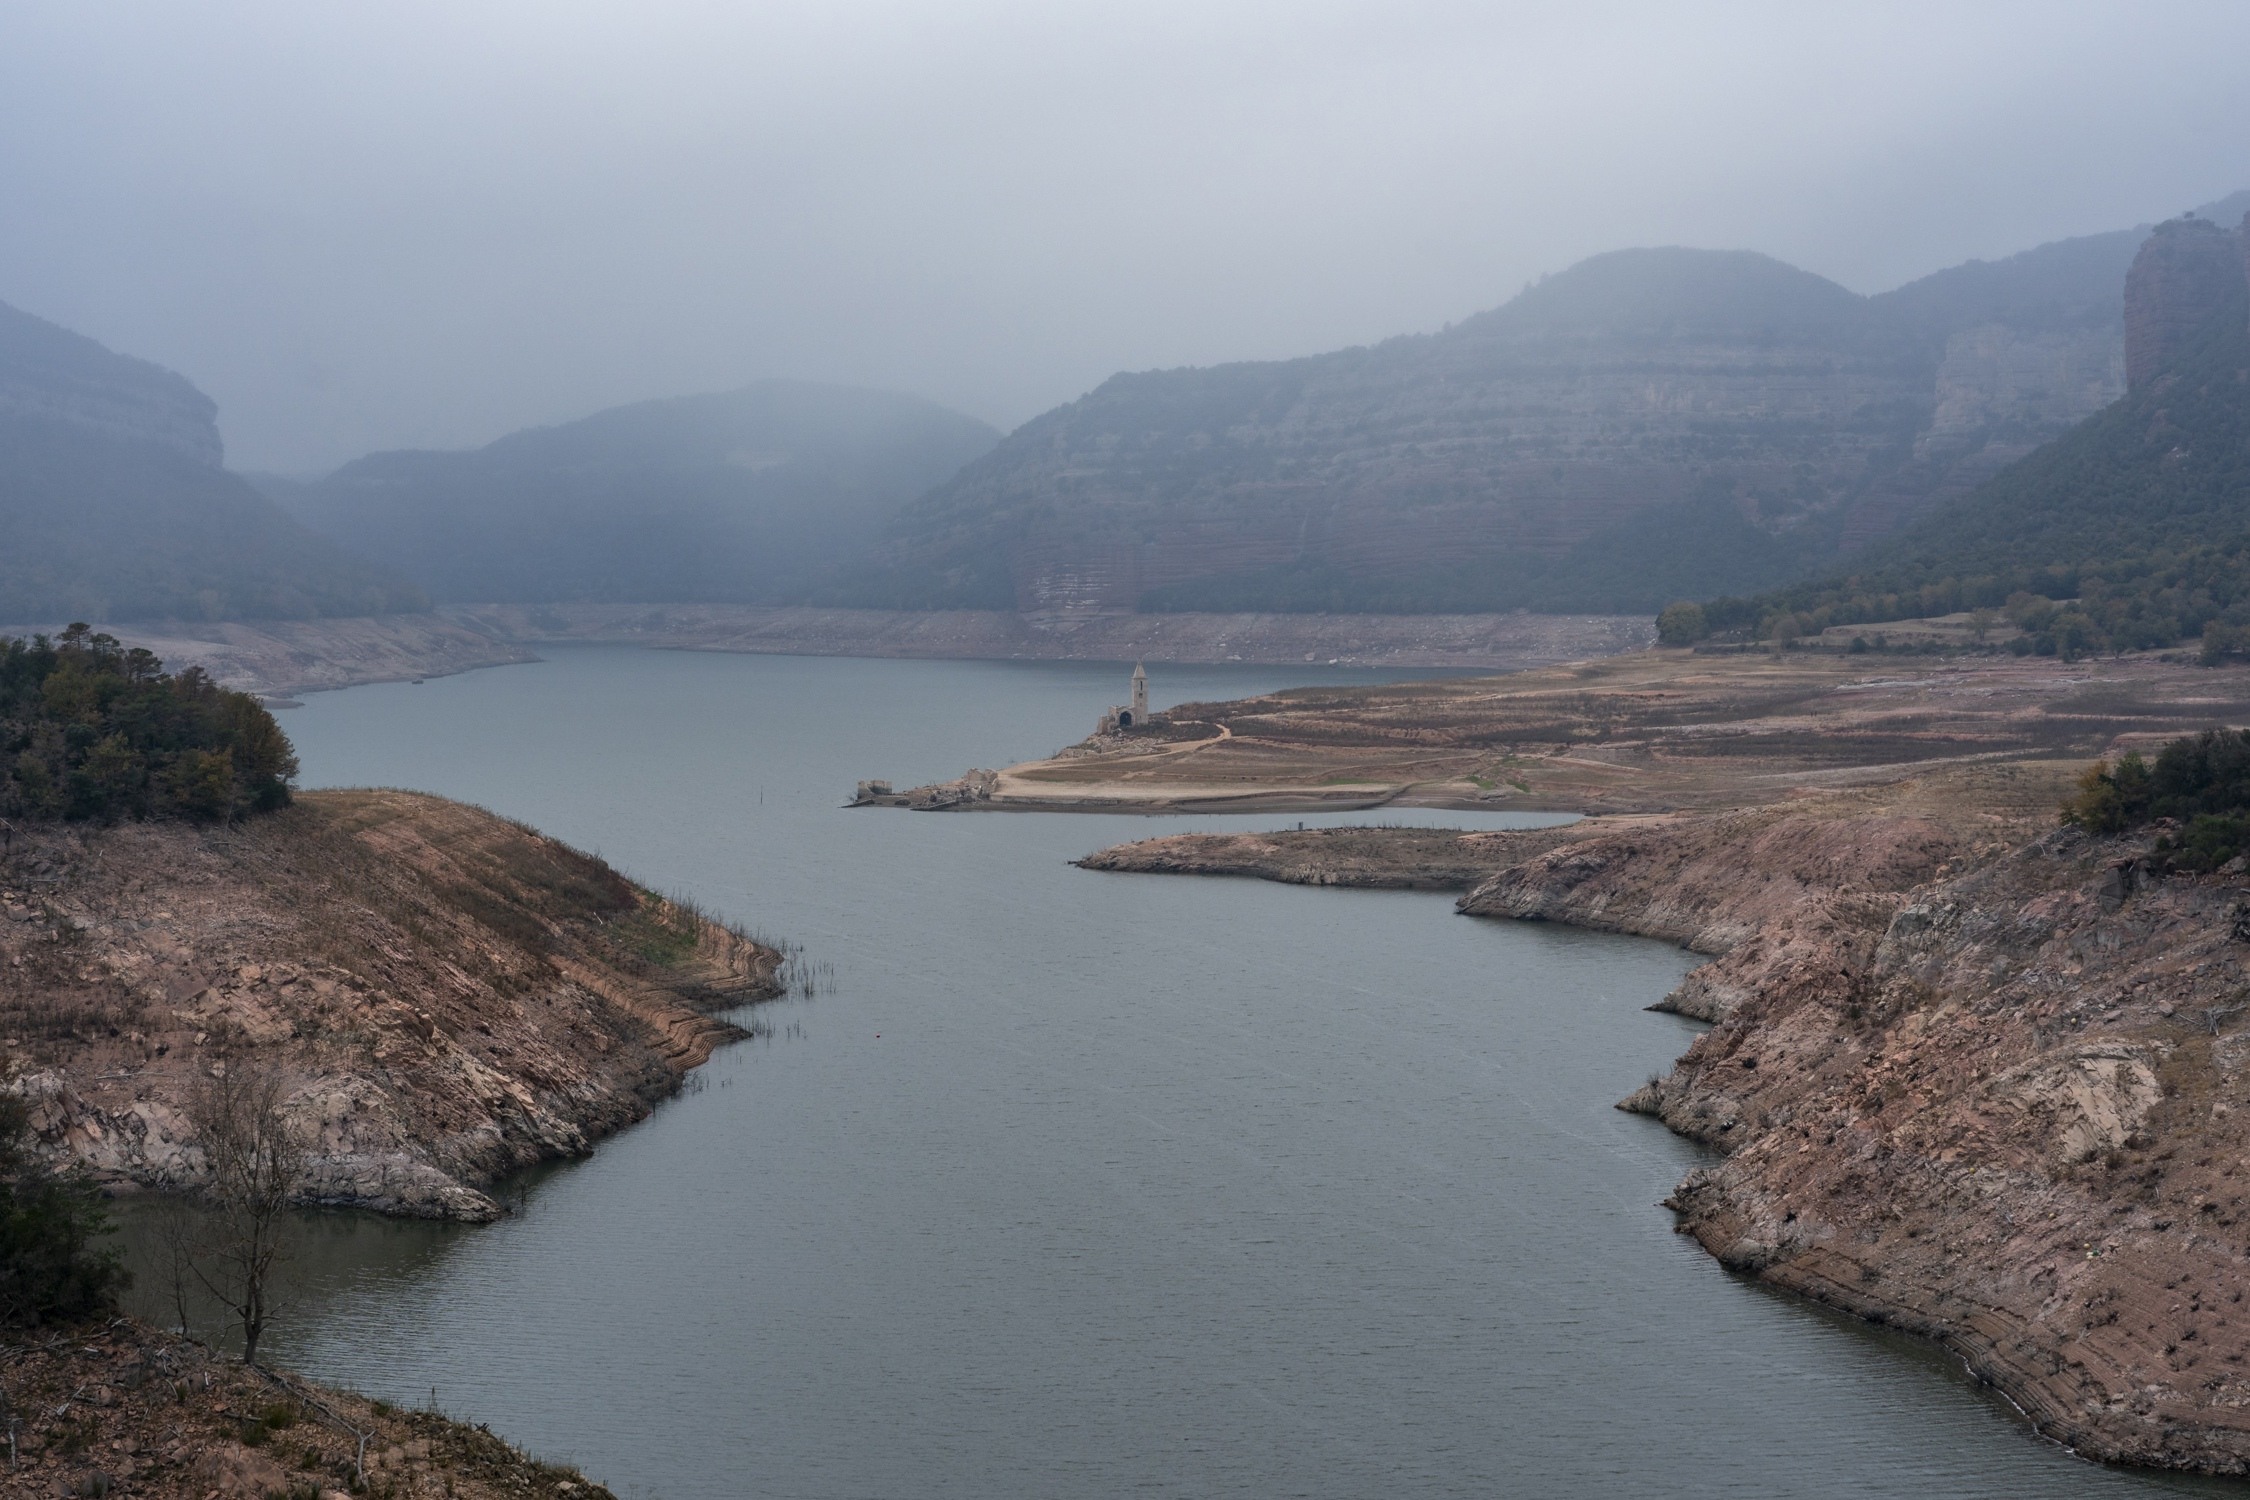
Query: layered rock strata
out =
(2005, 1111)
(51, 375)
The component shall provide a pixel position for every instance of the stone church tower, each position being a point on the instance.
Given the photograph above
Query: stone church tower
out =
(1128, 715)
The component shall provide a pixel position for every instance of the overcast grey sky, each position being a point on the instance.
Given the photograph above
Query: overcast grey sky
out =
(371, 225)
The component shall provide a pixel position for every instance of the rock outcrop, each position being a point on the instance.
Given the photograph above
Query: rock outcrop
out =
(972, 788)
(2189, 270)
(1398, 859)
(2010, 1117)
(450, 997)
(1992, 1091)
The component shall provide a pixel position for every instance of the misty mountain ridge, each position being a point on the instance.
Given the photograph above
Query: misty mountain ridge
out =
(114, 504)
(749, 496)
(1647, 425)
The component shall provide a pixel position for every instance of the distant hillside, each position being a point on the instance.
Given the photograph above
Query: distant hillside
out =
(114, 506)
(756, 495)
(1647, 425)
(2140, 514)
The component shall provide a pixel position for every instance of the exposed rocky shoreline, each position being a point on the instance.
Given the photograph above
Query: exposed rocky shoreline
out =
(452, 996)
(1991, 1087)
(280, 658)
(1970, 1074)
(1487, 642)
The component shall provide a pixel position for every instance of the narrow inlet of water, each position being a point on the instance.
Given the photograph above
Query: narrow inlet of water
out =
(1086, 1184)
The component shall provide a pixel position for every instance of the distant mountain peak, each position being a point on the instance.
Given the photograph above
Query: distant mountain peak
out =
(1675, 290)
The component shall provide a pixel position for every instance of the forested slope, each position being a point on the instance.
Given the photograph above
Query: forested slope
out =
(761, 495)
(2139, 517)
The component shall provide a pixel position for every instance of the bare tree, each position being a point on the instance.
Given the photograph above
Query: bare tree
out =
(257, 1160)
(177, 1232)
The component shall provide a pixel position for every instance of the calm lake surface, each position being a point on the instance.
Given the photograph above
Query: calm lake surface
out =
(1085, 1185)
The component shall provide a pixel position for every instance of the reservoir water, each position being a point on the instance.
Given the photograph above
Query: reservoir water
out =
(1073, 1184)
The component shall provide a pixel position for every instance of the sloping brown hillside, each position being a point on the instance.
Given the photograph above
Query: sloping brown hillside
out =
(125, 1410)
(453, 996)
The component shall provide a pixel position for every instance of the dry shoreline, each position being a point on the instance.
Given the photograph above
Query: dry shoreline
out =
(282, 658)
(1969, 1075)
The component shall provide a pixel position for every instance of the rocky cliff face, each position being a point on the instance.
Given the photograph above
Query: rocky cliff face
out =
(1647, 425)
(450, 997)
(1642, 381)
(49, 374)
(2189, 269)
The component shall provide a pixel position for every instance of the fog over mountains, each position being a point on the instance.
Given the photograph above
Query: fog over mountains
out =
(766, 494)
(1648, 425)
(2139, 516)
(113, 504)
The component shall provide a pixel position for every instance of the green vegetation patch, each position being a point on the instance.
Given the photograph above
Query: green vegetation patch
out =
(92, 731)
(2202, 783)
(661, 932)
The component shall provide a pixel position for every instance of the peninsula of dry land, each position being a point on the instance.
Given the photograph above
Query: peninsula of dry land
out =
(454, 996)
(1649, 732)
(1972, 1074)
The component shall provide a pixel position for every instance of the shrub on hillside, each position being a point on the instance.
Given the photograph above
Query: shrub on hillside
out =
(90, 730)
(2202, 782)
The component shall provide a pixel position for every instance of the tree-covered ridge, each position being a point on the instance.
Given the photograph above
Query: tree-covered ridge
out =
(2131, 531)
(90, 730)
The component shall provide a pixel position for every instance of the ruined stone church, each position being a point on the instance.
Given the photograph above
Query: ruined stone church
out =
(1130, 715)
